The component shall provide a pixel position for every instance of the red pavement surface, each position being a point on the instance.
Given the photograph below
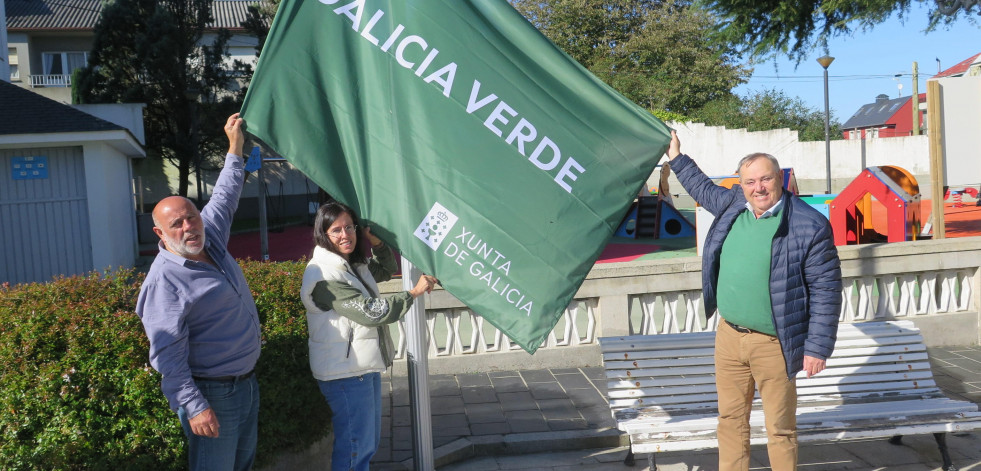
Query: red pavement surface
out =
(296, 242)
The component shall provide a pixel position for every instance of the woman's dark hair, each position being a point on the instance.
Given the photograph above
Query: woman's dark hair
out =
(326, 215)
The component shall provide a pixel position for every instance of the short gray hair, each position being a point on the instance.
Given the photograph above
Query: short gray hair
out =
(754, 156)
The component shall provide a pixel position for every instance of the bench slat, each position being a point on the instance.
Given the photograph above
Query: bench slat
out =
(655, 443)
(814, 417)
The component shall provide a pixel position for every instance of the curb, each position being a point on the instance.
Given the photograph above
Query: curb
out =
(522, 443)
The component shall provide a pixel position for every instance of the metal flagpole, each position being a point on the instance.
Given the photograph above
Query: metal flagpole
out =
(263, 225)
(417, 361)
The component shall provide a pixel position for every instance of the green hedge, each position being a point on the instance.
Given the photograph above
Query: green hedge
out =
(76, 390)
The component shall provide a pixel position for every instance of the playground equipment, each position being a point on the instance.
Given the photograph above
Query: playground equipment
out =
(655, 216)
(957, 196)
(895, 189)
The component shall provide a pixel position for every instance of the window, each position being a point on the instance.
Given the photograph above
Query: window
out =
(12, 60)
(63, 63)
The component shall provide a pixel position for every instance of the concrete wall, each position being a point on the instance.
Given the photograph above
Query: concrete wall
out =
(961, 121)
(717, 151)
(127, 115)
(110, 203)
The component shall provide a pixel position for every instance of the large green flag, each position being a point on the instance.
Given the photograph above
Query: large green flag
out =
(464, 137)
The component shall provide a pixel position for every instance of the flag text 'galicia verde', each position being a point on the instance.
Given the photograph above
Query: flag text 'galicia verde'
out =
(413, 52)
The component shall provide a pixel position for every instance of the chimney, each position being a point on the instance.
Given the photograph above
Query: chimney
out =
(881, 98)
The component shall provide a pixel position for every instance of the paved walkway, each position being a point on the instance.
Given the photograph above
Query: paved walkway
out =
(558, 419)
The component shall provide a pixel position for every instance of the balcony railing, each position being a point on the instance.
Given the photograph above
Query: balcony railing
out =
(935, 281)
(39, 81)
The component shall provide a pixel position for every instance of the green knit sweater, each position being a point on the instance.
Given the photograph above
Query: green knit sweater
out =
(744, 272)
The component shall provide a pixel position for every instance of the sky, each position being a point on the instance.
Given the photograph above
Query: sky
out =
(866, 64)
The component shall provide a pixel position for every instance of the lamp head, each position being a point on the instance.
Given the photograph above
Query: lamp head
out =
(825, 61)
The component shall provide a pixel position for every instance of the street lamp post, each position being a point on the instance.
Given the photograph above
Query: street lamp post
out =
(825, 61)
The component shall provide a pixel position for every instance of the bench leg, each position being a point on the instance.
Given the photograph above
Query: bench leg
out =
(651, 465)
(944, 453)
(629, 460)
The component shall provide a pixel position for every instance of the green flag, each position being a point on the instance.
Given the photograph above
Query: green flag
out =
(465, 138)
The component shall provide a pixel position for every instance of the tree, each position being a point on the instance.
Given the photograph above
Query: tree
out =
(655, 52)
(148, 51)
(775, 26)
(769, 109)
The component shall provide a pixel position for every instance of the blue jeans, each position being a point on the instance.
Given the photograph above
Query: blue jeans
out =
(355, 405)
(236, 404)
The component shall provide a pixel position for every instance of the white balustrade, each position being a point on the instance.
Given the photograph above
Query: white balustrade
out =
(886, 281)
(59, 80)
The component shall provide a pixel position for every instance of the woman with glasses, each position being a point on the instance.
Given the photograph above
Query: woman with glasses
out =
(347, 319)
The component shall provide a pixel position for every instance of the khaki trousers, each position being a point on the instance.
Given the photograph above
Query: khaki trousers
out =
(743, 362)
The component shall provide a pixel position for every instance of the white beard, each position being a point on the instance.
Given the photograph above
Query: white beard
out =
(180, 247)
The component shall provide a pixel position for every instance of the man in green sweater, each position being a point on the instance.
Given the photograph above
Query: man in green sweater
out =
(770, 266)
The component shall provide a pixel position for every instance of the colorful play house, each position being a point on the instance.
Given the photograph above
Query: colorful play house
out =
(654, 216)
(852, 210)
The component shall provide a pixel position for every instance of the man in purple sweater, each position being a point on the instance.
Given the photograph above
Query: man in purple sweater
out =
(202, 322)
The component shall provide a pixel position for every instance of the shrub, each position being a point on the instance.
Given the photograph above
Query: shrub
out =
(76, 390)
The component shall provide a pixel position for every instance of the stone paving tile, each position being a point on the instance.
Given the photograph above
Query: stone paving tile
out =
(537, 376)
(401, 455)
(446, 405)
(543, 461)
(444, 385)
(879, 452)
(565, 371)
(558, 409)
(522, 421)
(508, 384)
(497, 428)
(467, 380)
(440, 440)
(957, 373)
(586, 397)
(401, 439)
(521, 400)
(484, 413)
(480, 463)
(971, 354)
(451, 433)
(595, 373)
(401, 415)
(940, 353)
(450, 421)
(546, 391)
(971, 366)
(598, 416)
(566, 424)
(681, 461)
(574, 381)
(821, 456)
(502, 374)
(400, 397)
(478, 394)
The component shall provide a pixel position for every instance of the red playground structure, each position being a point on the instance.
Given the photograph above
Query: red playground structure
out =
(895, 189)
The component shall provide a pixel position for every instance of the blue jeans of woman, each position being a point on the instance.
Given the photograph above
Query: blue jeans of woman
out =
(355, 405)
(236, 404)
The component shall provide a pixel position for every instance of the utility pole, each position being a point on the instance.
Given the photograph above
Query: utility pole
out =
(916, 100)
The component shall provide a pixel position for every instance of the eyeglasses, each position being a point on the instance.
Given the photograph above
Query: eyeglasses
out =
(337, 231)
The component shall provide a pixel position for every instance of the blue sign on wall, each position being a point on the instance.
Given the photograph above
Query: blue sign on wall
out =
(29, 168)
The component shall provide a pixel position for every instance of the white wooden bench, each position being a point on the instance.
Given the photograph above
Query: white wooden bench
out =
(877, 383)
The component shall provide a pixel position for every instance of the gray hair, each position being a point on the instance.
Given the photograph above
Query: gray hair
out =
(754, 156)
